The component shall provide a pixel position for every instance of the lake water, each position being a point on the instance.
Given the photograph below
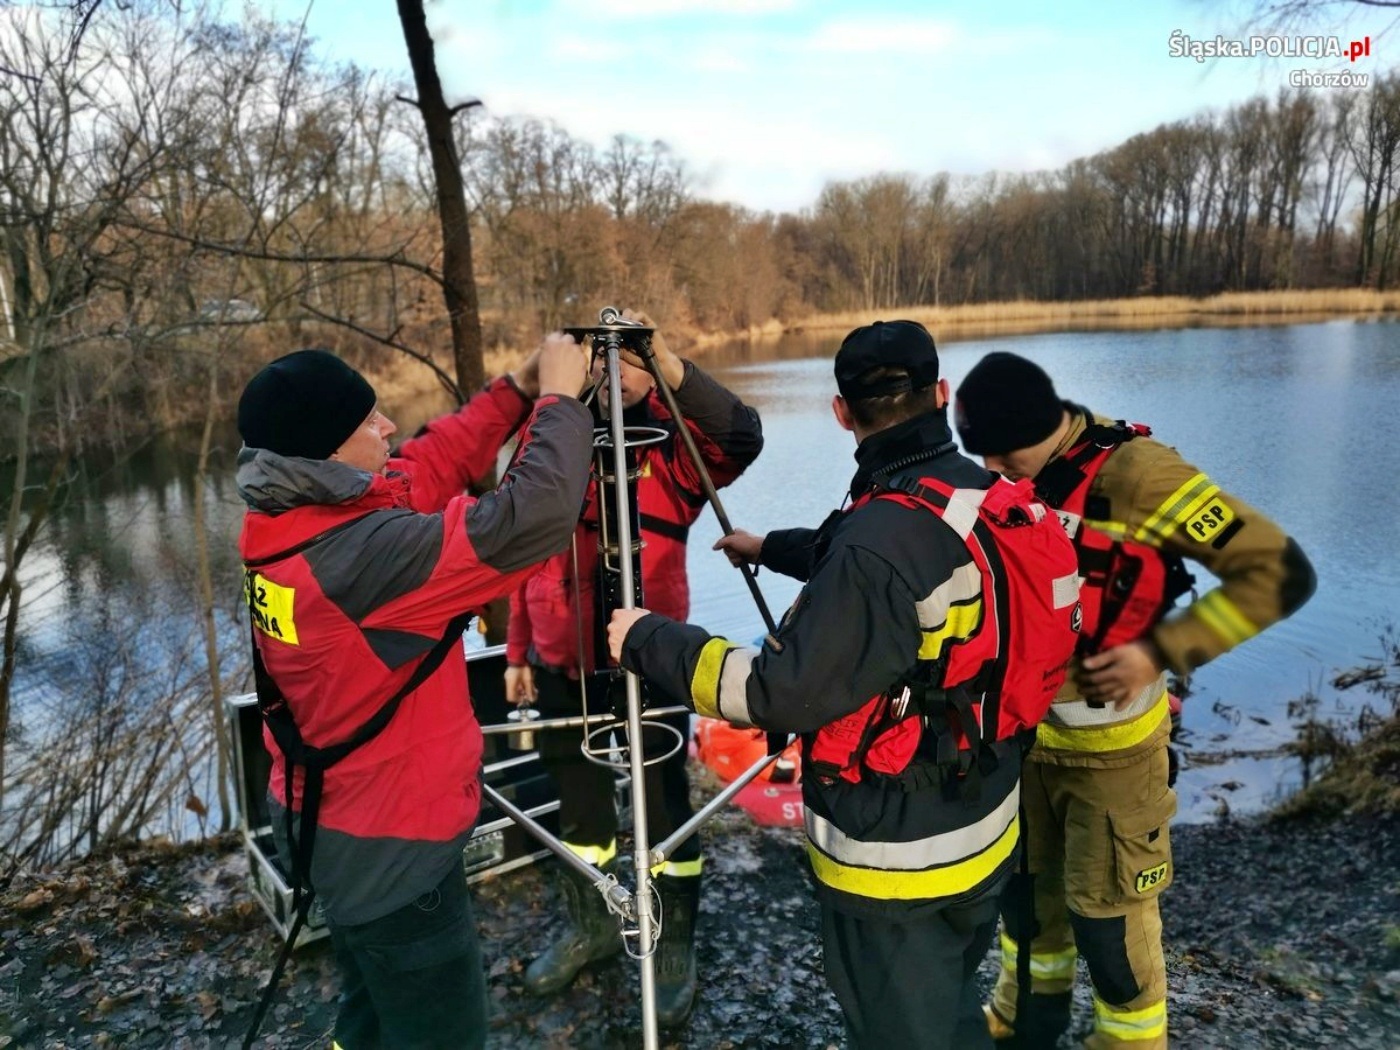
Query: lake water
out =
(1300, 421)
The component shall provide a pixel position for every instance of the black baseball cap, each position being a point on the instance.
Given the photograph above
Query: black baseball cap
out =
(886, 344)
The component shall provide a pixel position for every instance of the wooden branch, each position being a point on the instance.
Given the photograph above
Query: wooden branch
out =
(245, 252)
(7, 71)
(442, 377)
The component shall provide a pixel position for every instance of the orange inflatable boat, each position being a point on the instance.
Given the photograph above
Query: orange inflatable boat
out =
(774, 798)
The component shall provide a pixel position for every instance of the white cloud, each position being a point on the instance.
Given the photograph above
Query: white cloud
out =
(894, 36)
(666, 8)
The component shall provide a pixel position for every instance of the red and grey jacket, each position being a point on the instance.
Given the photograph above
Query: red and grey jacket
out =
(544, 614)
(357, 576)
(873, 582)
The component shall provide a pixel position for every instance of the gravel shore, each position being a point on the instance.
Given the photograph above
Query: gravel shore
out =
(1279, 935)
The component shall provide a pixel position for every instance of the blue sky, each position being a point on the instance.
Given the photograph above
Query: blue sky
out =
(766, 100)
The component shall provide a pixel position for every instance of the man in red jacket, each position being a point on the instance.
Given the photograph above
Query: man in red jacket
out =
(358, 565)
(555, 609)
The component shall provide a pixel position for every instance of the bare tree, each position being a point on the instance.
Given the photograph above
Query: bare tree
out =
(458, 277)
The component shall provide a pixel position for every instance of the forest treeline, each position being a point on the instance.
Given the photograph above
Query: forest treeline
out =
(182, 196)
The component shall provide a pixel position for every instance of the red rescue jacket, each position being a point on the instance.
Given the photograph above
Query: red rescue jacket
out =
(544, 622)
(992, 666)
(356, 577)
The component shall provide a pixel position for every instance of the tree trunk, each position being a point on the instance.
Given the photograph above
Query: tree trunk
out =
(206, 601)
(459, 281)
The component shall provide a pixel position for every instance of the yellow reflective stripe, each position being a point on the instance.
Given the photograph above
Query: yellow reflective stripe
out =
(1224, 618)
(962, 623)
(1176, 508)
(1130, 1026)
(680, 869)
(1045, 966)
(595, 855)
(704, 683)
(946, 881)
(1114, 530)
(336, 1046)
(1113, 737)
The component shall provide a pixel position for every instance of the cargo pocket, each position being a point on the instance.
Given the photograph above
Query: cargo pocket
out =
(429, 950)
(1142, 848)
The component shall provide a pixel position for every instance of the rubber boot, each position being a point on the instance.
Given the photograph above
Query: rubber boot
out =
(592, 934)
(675, 953)
(1049, 1017)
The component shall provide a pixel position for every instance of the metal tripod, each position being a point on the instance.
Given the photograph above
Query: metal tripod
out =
(637, 911)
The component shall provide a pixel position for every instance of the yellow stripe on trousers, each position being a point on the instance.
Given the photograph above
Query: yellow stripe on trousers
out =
(1104, 738)
(1130, 1026)
(1045, 966)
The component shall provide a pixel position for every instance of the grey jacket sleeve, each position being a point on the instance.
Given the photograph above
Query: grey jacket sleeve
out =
(532, 514)
(720, 415)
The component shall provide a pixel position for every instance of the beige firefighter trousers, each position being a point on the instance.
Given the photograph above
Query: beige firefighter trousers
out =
(1099, 854)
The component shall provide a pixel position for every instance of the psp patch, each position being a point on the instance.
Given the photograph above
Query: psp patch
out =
(1205, 524)
(1150, 877)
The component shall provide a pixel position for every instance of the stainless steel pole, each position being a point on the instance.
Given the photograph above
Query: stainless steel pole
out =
(641, 854)
(662, 853)
(575, 721)
(617, 895)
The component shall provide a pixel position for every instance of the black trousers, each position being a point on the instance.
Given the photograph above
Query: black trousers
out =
(911, 984)
(587, 814)
(412, 980)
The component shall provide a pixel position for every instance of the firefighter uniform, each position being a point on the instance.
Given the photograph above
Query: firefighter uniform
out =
(1095, 792)
(908, 865)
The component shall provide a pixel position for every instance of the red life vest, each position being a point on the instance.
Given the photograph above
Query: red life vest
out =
(1128, 586)
(994, 680)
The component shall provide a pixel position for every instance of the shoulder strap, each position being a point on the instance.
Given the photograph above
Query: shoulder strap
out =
(1055, 483)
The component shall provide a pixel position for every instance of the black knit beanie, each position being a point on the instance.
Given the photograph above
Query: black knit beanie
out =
(305, 404)
(1006, 403)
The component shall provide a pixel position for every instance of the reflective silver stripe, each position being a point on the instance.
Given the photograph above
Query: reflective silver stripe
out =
(936, 850)
(1066, 591)
(1077, 714)
(962, 586)
(961, 513)
(732, 694)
